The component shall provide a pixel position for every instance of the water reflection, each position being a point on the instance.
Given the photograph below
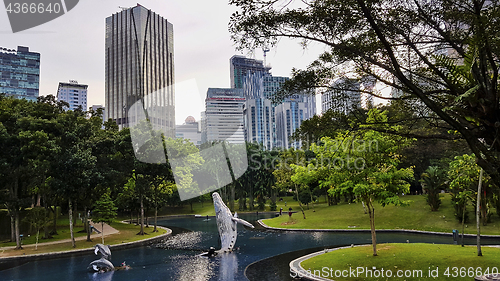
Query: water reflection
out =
(106, 276)
(193, 268)
(228, 268)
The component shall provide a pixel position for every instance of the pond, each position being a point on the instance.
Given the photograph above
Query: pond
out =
(267, 252)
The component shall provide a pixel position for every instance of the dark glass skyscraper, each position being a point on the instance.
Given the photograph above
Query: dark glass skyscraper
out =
(241, 67)
(140, 67)
(20, 73)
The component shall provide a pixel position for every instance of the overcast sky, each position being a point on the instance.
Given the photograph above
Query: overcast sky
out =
(72, 47)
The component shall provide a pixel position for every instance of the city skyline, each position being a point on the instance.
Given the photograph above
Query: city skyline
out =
(72, 47)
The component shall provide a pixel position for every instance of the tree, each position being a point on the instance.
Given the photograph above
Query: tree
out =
(104, 212)
(433, 182)
(38, 219)
(366, 164)
(401, 44)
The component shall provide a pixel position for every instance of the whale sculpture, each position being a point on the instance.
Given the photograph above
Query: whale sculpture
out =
(103, 250)
(102, 264)
(226, 224)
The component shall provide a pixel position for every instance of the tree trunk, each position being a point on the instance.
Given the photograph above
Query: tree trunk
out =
(102, 232)
(310, 192)
(231, 196)
(70, 214)
(156, 219)
(142, 216)
(371, 212)
(463, 222)
(36, 243)
(54, 229)
(18, 234)
(12, 227)
(478, 210)
(300, 205)
(250, 199)
(87, 224)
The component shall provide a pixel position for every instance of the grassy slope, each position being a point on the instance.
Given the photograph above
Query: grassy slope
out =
(408, 257)
(416, 216)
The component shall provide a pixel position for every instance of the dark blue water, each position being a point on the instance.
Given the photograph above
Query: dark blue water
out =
(177, 258)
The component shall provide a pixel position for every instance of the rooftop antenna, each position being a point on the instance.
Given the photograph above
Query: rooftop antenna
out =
(265, 50)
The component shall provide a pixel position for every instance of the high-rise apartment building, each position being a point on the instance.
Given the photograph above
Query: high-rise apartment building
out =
(140, 69)
(289, 117)
(19, 73)
(260, 120)
(74, 94)
(241, 66)
(267, 123)
(223, 117)
(344, 97)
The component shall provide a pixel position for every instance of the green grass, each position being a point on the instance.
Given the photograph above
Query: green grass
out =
(405, 257)
(416, 216)
(128, 233)
(62, 233)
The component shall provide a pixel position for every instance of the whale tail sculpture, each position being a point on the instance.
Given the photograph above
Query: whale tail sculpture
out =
(103, 264)
(226, 224)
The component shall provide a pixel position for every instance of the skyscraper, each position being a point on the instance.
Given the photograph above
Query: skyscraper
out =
(224, 116)
(289, 117)
(241, 66)
(73, 93)
(344, 97)
(19, 73)
(140, 68)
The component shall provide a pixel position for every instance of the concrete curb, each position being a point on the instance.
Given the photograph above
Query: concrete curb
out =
(368, 230)
(62, 254)
(300, 272)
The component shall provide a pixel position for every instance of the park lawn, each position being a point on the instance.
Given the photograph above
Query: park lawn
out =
(127, 233)
(416, 216)
(62, 233)
(414, 257)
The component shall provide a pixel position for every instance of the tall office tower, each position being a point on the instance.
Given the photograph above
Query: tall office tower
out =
(223, 118)
(73, 93)
(289, 117)
(344, 97)
(260, 121)
(241, 66)
(140, 69)
(19, 73)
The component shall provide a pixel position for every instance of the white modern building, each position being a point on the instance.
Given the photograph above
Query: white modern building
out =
(74, 94)
(190, 130)
(223, 117)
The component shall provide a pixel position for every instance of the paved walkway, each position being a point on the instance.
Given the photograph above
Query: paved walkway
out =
(108, 230)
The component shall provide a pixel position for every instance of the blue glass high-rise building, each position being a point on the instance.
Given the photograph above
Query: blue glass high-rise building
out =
(19, 73)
